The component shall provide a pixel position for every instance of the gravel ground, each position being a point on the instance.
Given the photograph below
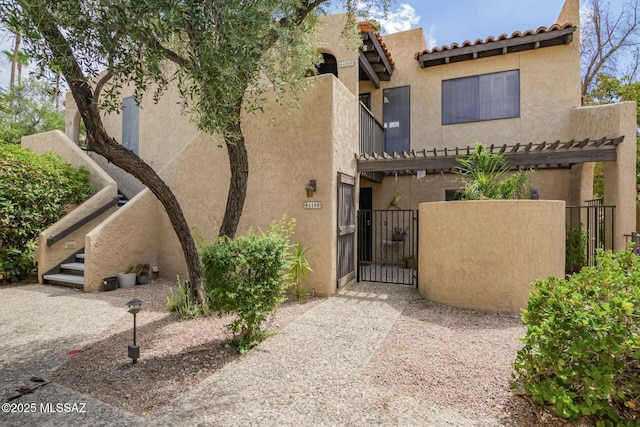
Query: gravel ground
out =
(372, 355)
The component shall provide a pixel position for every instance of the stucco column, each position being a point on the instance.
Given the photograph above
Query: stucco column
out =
(620, 177)
(71, 119)
(581, 183)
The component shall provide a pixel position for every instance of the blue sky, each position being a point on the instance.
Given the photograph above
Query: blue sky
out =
(454, 21)
(446, 22)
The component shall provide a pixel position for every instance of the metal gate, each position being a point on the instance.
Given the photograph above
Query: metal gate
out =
(595, 222)
(388, 246)
(346, 229)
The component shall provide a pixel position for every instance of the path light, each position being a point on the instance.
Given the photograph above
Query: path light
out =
(134, 308)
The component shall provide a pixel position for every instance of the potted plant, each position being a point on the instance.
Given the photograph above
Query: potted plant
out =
(142, 274)
(399, 234)
(409, 262)
(128, 278)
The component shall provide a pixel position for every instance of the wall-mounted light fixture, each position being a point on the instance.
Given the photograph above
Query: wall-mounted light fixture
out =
(311, 187)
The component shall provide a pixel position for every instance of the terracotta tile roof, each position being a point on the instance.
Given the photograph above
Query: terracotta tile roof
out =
(490, 39)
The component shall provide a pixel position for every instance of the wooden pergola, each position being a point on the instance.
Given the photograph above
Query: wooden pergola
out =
(520, 156)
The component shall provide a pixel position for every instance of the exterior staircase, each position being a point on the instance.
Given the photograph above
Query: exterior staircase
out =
(70, 272)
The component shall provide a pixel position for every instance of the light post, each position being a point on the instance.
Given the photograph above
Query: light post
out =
(134, 308)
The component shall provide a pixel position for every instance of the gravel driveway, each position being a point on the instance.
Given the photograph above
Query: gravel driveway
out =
(372, 355)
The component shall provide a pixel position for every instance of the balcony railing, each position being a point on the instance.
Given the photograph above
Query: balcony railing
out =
(371, 139)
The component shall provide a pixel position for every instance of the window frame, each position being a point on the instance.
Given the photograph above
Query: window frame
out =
(479, 105)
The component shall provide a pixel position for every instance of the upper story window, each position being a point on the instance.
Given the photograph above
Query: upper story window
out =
(396, 115)
(130, 124)
(484, 97)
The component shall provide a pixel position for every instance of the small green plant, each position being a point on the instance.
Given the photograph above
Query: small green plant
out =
(182, 302)
(484, 176)
(299, 270)
(575, 249)
(581, 353)
(248, 277)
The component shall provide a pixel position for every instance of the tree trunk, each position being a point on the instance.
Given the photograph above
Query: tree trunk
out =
(239, 166)
(14, 61)
(99, 141)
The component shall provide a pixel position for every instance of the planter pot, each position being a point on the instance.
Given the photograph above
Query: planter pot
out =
(110, 283)
(142, 280)
(408, 263)
(126, 280)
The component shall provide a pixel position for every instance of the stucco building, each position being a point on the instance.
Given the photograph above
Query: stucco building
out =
(378, 128)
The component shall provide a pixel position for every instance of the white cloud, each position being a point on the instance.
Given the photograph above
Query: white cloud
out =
(430, 37)
(401, 19)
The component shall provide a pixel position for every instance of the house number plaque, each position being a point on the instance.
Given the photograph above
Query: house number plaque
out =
(313, 205)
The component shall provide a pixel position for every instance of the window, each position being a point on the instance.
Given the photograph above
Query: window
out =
(484, 97)
(396, 115)
(130, 132)
(451, 195)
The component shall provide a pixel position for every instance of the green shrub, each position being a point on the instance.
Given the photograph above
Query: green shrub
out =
(248, 277)
(35, 191)
(575, 249)
(484, 175)
(182, 302)
(581, 354)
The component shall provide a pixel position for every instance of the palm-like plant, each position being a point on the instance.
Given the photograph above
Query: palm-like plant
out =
(484, 176)
(299, 269)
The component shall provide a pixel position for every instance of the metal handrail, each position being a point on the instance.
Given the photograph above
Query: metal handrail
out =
(64, 233)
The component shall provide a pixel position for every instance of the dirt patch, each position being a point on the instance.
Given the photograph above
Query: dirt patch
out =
(175, 354)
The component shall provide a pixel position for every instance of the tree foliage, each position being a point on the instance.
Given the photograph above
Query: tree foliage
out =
(606, 38)
(35, 191)
(28, 109)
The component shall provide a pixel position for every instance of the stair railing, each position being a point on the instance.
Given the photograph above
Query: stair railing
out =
(64, 233)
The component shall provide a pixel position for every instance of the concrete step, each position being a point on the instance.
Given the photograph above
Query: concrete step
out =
(71, 280)
(79, 257)
(73, 267)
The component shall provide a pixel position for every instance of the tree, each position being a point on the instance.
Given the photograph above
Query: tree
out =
(28, 110)
(605, 38)
(610, 89)
(222, 56)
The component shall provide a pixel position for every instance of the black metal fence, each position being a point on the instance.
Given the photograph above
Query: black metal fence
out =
(388, 246)
(635, 238)
(371, 139)
(588, 228)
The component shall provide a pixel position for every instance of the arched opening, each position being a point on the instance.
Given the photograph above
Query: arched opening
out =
(329, 65)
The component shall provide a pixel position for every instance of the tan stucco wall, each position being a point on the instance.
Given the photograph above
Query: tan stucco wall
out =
(127, 238)
(286, 150)
(614, 120)
(549, 89)
(331, 42)
(483, 255)
(49, 257)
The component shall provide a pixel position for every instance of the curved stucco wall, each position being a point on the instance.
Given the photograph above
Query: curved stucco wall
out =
(483, 255)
